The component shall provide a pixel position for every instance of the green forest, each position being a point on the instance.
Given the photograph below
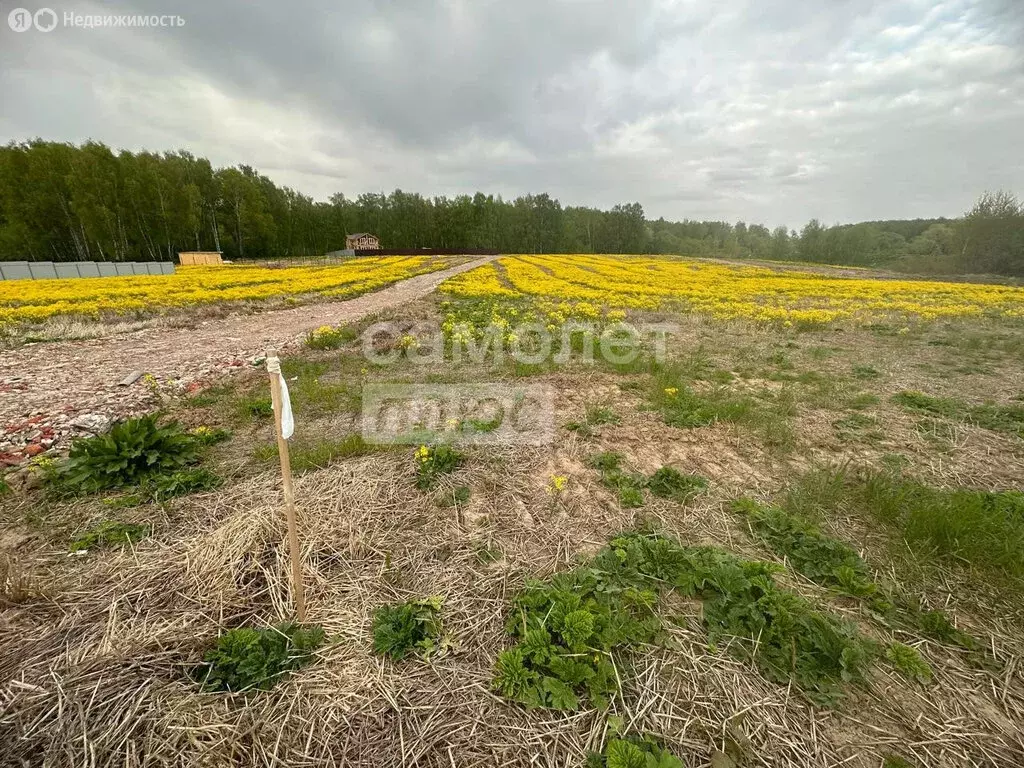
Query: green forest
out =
(61, 202)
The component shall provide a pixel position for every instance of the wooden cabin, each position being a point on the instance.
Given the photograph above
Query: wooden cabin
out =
(362, 241)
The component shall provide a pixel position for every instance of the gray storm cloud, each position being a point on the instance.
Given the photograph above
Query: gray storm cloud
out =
(761, 111)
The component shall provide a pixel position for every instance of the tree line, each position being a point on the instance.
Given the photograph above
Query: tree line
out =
(61, 202)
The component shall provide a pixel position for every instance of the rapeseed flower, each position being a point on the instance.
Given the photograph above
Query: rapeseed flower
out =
(587, 287)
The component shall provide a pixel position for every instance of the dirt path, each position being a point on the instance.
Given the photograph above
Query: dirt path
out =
(44, 387)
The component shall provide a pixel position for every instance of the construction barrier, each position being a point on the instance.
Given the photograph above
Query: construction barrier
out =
(49, 270)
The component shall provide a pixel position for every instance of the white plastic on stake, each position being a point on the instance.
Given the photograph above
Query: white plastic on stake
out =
(284, 426)
(287, 420)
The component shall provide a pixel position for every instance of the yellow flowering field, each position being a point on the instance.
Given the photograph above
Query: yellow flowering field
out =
(591, 286)
(27, 301)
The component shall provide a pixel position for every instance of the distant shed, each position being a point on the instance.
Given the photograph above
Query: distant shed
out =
(200, 258)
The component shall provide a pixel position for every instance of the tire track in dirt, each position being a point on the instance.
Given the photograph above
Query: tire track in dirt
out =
(45, 386)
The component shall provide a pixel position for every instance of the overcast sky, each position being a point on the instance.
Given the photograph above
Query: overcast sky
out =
(761, 110)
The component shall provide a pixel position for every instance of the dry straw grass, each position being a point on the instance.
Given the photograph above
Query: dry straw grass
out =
(94, 667)
(94, 653)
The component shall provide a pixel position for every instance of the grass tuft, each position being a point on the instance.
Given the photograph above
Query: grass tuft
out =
(307, 455)
(981, 529)
(681, 406)
(109, 533)
(599, 415)
(628, 485)
(207, 436)
(607, 461)
(434, 461)
(937, 626)
(918, 401)
(996, 417)
(248, 408)
(455, 497)
(330, 337)
(670, 483)
(865, 372)
(181, 484)
(895, 761)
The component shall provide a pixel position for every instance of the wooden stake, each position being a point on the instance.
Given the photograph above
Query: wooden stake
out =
(274, 370)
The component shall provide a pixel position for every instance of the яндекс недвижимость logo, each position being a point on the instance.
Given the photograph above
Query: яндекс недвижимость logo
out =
(22, 20)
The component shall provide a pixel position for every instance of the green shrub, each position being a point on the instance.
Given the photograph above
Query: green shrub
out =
(566, 630)
(434, 461)
(244, 659)
(411, 627)
(633, 753)
(131, 452)
(570, 628)
(909, 662)
(822, 559)
(109, 533)
(630, 496)
(670, 483)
